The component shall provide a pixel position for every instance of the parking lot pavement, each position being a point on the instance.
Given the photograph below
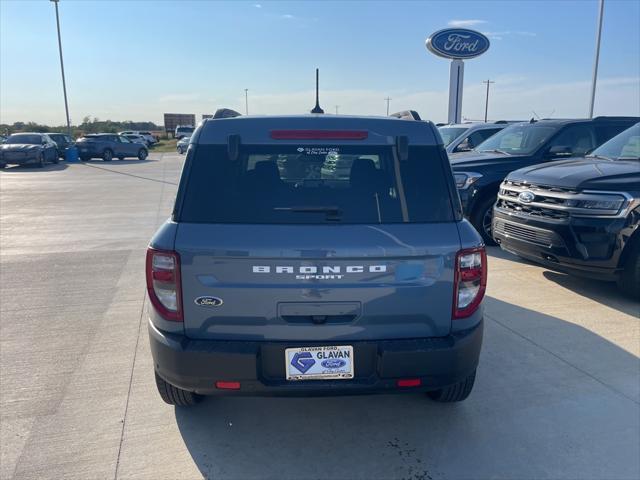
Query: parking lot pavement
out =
(557, 393)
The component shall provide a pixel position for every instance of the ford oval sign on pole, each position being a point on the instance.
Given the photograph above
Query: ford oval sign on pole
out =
(457, 44)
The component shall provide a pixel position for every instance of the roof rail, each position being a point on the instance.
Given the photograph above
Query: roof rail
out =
(611, 117)
(226, 113)
(406, 115)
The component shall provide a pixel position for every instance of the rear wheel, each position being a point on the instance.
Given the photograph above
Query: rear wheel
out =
(142, 154)
(107, 155)
(174, 395)
(120, 158)
(180, 150)
(482, 218)
(629, 281)
(456, 392)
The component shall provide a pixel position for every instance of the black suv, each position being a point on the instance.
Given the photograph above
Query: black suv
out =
(479, 173)
(580, 215)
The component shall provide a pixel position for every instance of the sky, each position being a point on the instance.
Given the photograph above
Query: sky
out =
(135, 60)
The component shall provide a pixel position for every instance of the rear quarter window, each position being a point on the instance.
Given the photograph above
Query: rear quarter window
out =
(314, 185)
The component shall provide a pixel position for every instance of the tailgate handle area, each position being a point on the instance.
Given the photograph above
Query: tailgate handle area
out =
(319, 312)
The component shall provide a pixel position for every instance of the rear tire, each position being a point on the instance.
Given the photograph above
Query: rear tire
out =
(56, 159)
(174, 395)
(456, 392)
(629, 281)
(482, 218)
(142, 154)
(107, 155)
(85, 159)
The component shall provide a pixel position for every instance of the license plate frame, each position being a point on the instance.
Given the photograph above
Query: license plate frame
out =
(325, 362)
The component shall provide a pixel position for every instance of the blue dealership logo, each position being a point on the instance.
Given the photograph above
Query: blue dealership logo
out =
(303, 361)
(333, 363)
(458, 43)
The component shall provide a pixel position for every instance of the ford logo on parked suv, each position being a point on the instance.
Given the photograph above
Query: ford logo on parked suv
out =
(526, 197)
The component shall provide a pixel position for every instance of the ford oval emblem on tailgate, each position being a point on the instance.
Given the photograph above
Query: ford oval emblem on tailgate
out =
(208, 301)
(333, 363)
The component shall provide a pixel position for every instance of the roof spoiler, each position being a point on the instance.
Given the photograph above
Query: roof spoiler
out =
(226, 113)
(406, 115)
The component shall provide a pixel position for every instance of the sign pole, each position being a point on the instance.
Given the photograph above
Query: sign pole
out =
(457, 44)
(595, 63)
(456, 79)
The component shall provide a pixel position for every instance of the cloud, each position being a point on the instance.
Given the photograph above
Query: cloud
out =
(257, 5)
(288, 16)
(500, 35)
(465, 23)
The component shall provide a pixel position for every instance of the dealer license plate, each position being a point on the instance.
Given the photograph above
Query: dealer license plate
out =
(319, 363)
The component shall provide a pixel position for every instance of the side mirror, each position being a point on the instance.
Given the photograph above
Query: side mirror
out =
(464, 146)
(559, 151)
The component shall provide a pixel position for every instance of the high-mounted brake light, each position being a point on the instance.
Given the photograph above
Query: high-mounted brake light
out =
(470, 281)
(163, 283)
(319, 134)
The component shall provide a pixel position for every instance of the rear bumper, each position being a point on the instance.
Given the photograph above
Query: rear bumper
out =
(196, 365)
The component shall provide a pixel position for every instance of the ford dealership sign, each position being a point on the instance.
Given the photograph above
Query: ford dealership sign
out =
(458, 43)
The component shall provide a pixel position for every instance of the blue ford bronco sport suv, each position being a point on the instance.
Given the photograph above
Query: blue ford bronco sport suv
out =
(274, 275)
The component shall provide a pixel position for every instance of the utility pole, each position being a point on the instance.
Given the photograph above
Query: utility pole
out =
(486, 103)
(337, 109)
(387, 100)
(64, 83)
(246, 101)
(597, 59)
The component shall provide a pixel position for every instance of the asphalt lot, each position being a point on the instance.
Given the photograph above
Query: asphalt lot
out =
(557, 393)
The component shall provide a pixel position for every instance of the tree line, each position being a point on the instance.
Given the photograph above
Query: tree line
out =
(88, 125)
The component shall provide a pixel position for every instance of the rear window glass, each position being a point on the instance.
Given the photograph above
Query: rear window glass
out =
(314, 185)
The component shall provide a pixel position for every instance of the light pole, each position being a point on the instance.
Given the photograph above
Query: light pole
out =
(597, 59)
(486, 103)
(64, 83)
(246, 101)
(337, 109)
(387, 100)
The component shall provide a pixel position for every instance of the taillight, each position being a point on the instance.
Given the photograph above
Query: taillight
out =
(319, 134)
(470, 281)
(163, 283)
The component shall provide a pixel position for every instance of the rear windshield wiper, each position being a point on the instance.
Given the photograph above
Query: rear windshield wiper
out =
(332, 212)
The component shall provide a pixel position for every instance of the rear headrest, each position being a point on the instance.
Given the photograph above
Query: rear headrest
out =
(364, 174)
(267, 171)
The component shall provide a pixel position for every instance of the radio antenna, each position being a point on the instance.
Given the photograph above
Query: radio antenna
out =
(317, 108)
